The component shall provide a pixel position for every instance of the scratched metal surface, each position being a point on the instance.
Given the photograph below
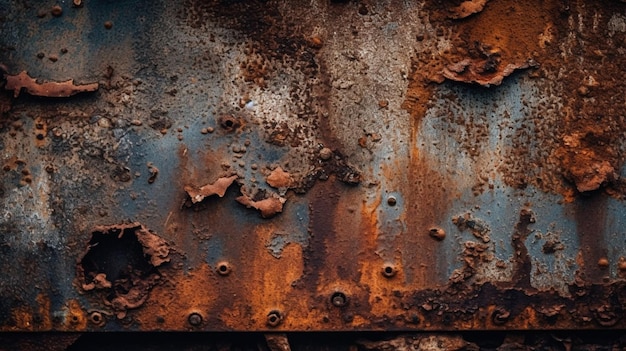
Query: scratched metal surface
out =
(391, 195)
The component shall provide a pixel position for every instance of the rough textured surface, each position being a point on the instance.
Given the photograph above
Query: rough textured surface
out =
(312, 165)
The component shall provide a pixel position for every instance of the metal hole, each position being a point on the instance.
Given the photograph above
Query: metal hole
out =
(224, 268)
(389, 270)
(274, 318)
(338, 299)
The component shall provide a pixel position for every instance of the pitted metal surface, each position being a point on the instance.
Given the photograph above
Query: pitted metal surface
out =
(312, 165)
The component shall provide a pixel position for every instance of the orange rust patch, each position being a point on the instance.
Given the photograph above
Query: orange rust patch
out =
(44, 312)
(269, 206)
(48, 89)
(487, 47)
(75, 318)
(171, 303)
(467, 8)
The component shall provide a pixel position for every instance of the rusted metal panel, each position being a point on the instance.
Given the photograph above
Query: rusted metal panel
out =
(270, 165)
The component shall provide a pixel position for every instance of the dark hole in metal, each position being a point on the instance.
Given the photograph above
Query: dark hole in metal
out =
(274, 318)
(118, 254)
(338, 299)
(389, 271)
(229, 123)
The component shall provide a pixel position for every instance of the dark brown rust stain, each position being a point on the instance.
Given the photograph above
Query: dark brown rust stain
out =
(429, 193)
(495, 307)
(591, 139)
(522, 264)
(325, 199)
(590, 215)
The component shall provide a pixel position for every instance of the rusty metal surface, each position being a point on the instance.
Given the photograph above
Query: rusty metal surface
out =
(312, 165)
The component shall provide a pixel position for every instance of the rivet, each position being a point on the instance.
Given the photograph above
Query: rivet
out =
(194, 319)
(389, 270)
(96, 318)
(224, 268)
(274, 318)
(391, 201)
(338, 299)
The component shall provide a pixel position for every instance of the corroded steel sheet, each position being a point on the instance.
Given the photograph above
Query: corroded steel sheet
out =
(312, 165)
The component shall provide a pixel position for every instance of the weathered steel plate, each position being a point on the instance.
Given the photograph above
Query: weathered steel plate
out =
(312, 165)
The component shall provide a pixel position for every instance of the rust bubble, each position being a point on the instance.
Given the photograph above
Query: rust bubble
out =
(274, 318)
(56, 11)
(339, 299)
(108, 25)
(316, 42)
(326, 154)
(224, 268)
(195, 319)
(603, 262)
(391, 201)
(77, 3)
(437, 233)
(389, 270)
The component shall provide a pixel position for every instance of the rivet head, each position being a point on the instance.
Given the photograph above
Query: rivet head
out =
(224, 268)
(389, 270)
(391, 201)
(274, 318)
(194, 319)
(97, 318)
(338, 299)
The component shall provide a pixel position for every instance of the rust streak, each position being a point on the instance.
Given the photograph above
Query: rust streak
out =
(590, 216)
